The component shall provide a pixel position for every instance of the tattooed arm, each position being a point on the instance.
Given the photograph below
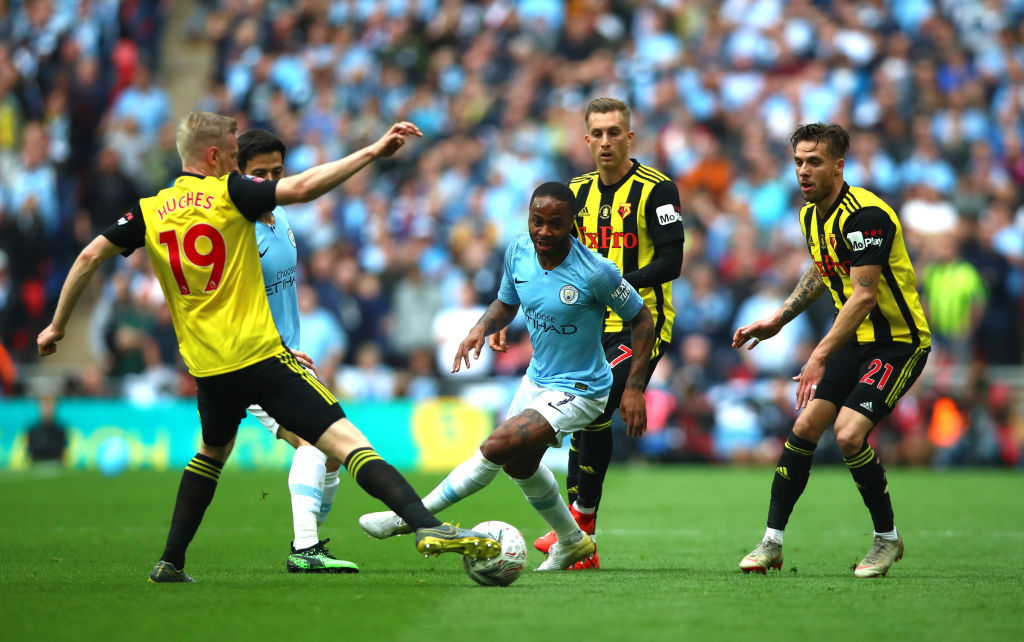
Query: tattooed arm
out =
(633, 405)
(498, 315)
(807, 290)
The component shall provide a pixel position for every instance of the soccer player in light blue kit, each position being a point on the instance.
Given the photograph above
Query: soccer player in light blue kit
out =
(313, 477)
(564, 289)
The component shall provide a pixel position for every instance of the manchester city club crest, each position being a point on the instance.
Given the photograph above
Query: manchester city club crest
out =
(291, 236)
(569, 294)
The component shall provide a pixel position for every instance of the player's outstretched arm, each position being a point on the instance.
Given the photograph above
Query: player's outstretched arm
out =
(498, 315)
(316, 181)
(809, 288)
(89, 259)
(633, 405)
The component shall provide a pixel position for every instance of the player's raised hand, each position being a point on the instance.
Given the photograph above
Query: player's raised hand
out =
(392, 141)
(499, 340)
(758, 331)
(634, 412)
(474, 342)
(47, 340)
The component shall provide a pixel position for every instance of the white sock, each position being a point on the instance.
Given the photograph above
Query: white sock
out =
(464, 480)
(306, 485)
(774, 535)
(584, 510)
(541, 491)
(331, 483)
(891, 536)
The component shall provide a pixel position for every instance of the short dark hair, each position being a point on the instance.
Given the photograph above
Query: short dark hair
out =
(836, 137)
(605, 105)
(556, 190)
(258, 141)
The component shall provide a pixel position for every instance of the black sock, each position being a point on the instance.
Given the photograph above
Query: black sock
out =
(380, 479)
(869, 475)
(791, 475)
(572, 475)
(198, 484)
(595, 454)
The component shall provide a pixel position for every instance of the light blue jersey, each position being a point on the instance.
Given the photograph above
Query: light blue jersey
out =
(564, 310)
(278, 258)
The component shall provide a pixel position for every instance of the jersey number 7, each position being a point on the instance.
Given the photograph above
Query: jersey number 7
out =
(215, 257)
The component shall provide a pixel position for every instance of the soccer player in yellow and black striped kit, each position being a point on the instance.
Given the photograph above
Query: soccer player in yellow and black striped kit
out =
(874, 352)
(629, 213)
(200, 238)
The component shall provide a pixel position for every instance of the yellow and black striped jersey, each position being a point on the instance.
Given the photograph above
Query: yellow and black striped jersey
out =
(201, 241)
(861, 229)
(625, 222)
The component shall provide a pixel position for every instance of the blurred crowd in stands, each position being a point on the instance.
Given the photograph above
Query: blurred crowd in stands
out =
(399, 262)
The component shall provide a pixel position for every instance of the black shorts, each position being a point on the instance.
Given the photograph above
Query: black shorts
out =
(871, 378)
(280, 385)
(618, 349)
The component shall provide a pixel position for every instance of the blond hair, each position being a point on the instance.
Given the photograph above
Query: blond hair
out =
(607, 106)
(201, 130)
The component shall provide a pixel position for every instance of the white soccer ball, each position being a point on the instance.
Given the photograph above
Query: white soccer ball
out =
(113, 456)
(505, 568)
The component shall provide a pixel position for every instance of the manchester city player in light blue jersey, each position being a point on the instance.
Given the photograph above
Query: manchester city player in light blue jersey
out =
(563, 289)
(313, 477)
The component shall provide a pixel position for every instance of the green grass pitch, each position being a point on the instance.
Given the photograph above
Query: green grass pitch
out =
(75, 550)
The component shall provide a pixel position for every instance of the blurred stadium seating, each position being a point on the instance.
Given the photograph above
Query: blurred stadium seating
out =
(931, 90)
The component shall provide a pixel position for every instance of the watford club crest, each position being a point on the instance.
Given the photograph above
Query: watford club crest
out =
(625, 210)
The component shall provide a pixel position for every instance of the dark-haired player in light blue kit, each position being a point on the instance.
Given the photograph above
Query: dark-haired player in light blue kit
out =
(564, 290)
(313, 477)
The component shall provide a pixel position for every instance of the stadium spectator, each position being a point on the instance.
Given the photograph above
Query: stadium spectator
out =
(369, 378)
(47, 437)
(954, 297)
(450, 325)
(143, 102)
(326, 342)
(108, 190)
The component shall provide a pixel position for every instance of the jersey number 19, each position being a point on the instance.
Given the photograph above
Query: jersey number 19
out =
(214, 257)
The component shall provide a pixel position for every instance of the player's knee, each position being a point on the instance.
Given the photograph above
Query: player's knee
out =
(808, 429)
(340, 439)
(495, 449)
(219, 453)
(849, 438)
(520, 468)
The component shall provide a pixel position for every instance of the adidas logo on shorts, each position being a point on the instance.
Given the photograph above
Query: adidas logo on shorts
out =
(866, 406)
